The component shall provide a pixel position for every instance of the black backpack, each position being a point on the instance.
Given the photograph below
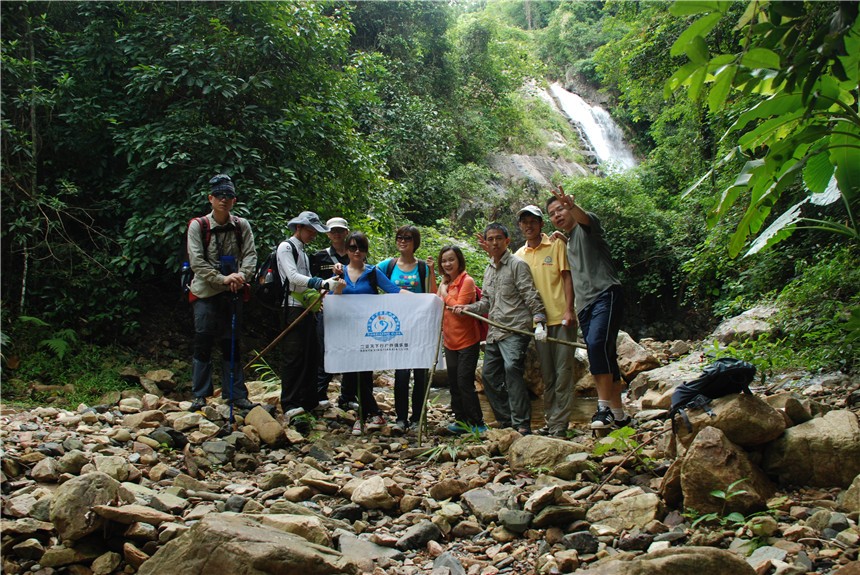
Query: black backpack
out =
(270, 289)
(725, 376)
(187, 274)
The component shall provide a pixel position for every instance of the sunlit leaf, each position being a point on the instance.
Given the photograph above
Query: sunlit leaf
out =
(777, 231)
(697, 50)
(845, 154)
(818, 172)
(721, 88)
(760, 58)
(700, 28)
(687, 7)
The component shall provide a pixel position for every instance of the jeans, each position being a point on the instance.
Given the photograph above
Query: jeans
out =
(556, 365)
(214, 320)
(461, 378)
(504, 366)
(300, 361)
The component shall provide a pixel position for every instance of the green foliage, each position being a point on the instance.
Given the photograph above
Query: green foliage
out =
(622, 441)
(801, 133)
(58, 342)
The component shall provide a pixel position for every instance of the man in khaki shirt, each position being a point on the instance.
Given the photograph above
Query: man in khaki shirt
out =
(510, 299)
(551, 273)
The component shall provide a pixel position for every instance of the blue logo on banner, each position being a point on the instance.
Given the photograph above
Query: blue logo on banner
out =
(383, 326)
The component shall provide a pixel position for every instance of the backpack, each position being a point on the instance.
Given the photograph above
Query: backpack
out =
(422, 271)
(483, 327)
(270, 289)
(187, 274)
(725, 376)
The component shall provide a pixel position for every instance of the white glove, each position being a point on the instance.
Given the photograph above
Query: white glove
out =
(540, 332)
(330, 284)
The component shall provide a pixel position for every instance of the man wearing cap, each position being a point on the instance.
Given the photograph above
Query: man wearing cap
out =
(322, 265)
(301, 351)
(548, 263)
(223, 257)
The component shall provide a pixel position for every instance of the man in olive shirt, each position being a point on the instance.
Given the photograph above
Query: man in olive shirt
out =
(510, 299)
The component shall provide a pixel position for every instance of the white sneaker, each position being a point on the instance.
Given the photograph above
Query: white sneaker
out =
(375, 422)
(356, 428)
(400, 427)
(290, 413)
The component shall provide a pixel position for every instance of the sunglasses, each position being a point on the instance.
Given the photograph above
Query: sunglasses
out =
(354, 248)
(222, 196)
(404, 238)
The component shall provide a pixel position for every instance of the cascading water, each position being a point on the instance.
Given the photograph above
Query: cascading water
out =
(602, 133)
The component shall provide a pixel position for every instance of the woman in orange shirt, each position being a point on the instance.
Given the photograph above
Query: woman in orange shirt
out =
(462, 339)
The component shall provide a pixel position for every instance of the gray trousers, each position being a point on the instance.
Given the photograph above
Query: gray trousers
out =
(556, 366)
(504, 366)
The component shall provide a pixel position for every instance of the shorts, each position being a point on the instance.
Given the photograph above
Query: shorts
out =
(600, 322)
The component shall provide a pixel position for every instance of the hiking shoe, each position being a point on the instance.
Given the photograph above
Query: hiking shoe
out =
(323, 405)
(456, 428)
(290, 413)
(356, 428)
(400, 427)
(619, 423)
(198, 404)
(524, 430)
(480, 428)
(243, 403)
(347, 405)
(602, 418)
(544, 430)
(375, 422)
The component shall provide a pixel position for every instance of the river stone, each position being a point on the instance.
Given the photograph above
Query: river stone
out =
(271, 432)
(80, 553)
(515, 520)
(113, 465)
(823, 452)
(627, 512)
(128, 514)
(850, 499)
(675, 561)
(535, 452)
(418, 535)
(486, 502)
(106, 563)
(72, 462)
(70, 507)
(371, 493)
(240, 545)
(448, 489)
(46, 471)
(363, 552)
(663, 380)
(305, 526)
(746, 420)
(712, 463)
(135, 420)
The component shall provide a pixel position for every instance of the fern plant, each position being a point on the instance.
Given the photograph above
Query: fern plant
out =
(59, 343)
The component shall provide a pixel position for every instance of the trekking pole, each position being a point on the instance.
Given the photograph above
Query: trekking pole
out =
(283, 333)
(520, 331)
(422, 421)
(233, 302)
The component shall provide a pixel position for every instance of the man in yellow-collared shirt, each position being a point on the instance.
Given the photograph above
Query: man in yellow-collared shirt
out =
(551, 273)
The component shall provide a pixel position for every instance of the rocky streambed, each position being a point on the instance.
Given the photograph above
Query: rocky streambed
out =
(769, 484)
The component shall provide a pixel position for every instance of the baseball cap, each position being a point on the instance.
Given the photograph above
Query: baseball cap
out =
(337, 223)
(530, 209)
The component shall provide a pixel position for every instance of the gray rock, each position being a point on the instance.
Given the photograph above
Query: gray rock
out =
(373, 494)
(515, 520)
(676, 560)
(363, 552)
(418, 535)
(70, 507)
(558, 515)
(239, 545)
(748, 325)
(629, 512)
(535, 452)
(448, 562)
(218, 452)
(46, 471)
(72, 461)
(582, 541)
(746, 420)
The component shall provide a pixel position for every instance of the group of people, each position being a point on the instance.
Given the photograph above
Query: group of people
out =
(545, 289)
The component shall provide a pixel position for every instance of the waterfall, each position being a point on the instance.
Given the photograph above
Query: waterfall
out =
(603, 134)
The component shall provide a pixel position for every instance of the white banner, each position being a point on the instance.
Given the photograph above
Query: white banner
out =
(375, 332)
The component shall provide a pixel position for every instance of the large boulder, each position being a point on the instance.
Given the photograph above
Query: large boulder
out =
(751, 324)
(71, 504)
(535, 452)
(714, 463)
(662, 380)
(823, 452)
(239, 545)
(627, 512)
(633, 359)
(675, 561)
(747, 420)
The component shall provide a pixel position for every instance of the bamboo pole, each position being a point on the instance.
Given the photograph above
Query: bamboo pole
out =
(520, 331)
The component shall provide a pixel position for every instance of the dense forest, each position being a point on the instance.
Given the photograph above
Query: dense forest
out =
(744, 117)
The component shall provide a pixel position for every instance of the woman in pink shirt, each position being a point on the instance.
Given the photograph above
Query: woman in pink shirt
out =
(462, 339)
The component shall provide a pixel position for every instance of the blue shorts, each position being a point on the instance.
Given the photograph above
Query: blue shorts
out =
(600, 322)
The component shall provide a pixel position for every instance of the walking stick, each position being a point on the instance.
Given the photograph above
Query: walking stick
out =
(520, 331)
(282, 334)
(422, 421)
(234, 301)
